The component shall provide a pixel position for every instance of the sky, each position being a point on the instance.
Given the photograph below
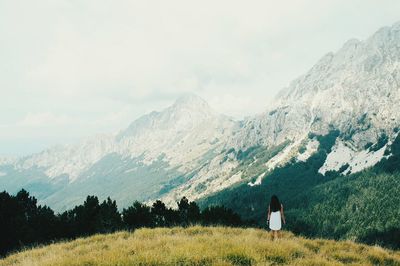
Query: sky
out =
(71, 69)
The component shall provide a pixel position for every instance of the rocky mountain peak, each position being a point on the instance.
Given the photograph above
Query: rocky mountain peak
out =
(191, 106)
(191, 100)
(341, 90)
(187, 112)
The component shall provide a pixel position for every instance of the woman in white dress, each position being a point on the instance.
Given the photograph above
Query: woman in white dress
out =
(275, 216)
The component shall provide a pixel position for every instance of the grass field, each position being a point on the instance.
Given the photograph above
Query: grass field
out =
(203, 246)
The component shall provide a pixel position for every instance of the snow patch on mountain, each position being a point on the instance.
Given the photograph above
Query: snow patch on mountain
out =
(257, 181)
(343, 155)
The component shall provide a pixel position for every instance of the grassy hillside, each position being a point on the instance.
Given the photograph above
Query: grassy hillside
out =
(203, 246)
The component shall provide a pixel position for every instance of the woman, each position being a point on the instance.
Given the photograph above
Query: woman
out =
(275, 216)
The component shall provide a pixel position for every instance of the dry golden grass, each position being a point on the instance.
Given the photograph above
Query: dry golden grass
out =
(203, 246)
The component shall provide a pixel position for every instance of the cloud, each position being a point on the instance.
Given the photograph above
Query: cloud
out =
(172, 46)
(87, 66)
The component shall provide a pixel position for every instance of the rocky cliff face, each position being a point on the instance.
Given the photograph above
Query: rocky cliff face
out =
(355, 90)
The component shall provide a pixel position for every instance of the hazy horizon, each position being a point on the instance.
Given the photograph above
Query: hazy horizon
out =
(75, 69)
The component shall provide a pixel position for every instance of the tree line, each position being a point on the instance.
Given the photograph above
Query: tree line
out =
(24, 223)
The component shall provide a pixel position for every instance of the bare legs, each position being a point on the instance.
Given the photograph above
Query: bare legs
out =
(275, 234)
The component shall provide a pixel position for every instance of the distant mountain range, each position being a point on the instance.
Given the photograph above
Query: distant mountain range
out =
(189, 149)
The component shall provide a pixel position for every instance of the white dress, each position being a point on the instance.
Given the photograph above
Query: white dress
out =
(275, 222)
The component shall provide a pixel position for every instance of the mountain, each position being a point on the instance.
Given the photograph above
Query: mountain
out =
(355, 91)
(155, 153)
(341, 116)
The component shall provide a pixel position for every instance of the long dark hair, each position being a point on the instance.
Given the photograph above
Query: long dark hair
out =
(274, 205)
